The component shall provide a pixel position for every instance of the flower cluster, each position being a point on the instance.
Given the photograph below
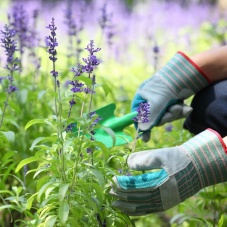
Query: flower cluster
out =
(95, 121)
(69, 20)
(90, 63)
(51, 43)
(19, 22)
(106, 24)
(9, 44)
(143, 113)
(91, 129)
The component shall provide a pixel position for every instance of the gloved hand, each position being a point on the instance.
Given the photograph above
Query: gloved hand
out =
(177, 80)
(184, 170)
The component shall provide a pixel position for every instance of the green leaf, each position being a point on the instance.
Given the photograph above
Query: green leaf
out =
(10, 136)
(111, 133)
(3, 97)
(222, 221)
(49, 190)
(40, 139)
(50, 221)
(8, 207)
(62, 191)
(85, 79)
(98, 175)
(22, 96)
(27, 161)
(39, 121)
(63, 212)
(41, 94)
(179, 218)
(30, 201)
(7, 156)
(44, 188)
(106, 89)
(6, 192)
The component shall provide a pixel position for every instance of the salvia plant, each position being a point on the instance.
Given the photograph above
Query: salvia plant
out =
(72, 177)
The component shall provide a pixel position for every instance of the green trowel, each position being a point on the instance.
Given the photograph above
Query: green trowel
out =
(111, 131)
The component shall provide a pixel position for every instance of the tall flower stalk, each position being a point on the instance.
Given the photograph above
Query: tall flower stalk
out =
(73, 29)
(90, 63)
(106, 24)
(51, 43)
(19, 22)
(9, 44)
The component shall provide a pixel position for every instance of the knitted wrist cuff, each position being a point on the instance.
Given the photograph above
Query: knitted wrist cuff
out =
(208, 153)
(182, 73)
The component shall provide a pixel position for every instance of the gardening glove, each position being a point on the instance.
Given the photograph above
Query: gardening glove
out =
(177, 80)
(183, 171)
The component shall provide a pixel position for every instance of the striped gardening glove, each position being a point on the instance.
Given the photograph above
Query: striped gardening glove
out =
(165, 91)
(183, 171)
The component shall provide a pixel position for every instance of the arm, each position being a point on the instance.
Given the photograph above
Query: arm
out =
(213, 62)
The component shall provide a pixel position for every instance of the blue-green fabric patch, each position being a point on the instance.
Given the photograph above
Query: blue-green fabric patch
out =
(147, 180)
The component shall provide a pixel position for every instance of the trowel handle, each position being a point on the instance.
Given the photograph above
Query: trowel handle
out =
(120, 122)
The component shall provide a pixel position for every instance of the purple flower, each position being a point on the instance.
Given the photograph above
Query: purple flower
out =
(9, 45)
(77, 86)
(143, 113)
(11, 89)
(169, 128)
(105, 23)
(69, 20)
(19, 22)
(51, 43)
(90, 48)
(70, 127)
(78, 70)
(88, 69)
(156, 49)
(96, 120)
(91, 61)
(104, 17)
(54, 73)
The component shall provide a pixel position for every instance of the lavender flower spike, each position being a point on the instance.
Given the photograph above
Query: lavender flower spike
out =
(51, 43)
(91, 61)
(143, 113)
(9, 45)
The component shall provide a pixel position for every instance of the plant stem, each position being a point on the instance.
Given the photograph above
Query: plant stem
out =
(4, 110)
(135, 139)
(76, 163)
(55, 90)
(62, 157)
(214, 210)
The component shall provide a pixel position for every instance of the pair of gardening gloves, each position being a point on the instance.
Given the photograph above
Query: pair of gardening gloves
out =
(177, 173)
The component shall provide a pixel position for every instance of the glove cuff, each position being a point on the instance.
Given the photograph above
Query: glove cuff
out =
(182, 73)
(209, 156)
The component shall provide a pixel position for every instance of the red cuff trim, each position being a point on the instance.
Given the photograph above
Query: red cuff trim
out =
(220, 139)
(195, 65)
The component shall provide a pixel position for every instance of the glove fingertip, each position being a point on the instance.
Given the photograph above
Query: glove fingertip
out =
(186, 111)
(146, 136)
